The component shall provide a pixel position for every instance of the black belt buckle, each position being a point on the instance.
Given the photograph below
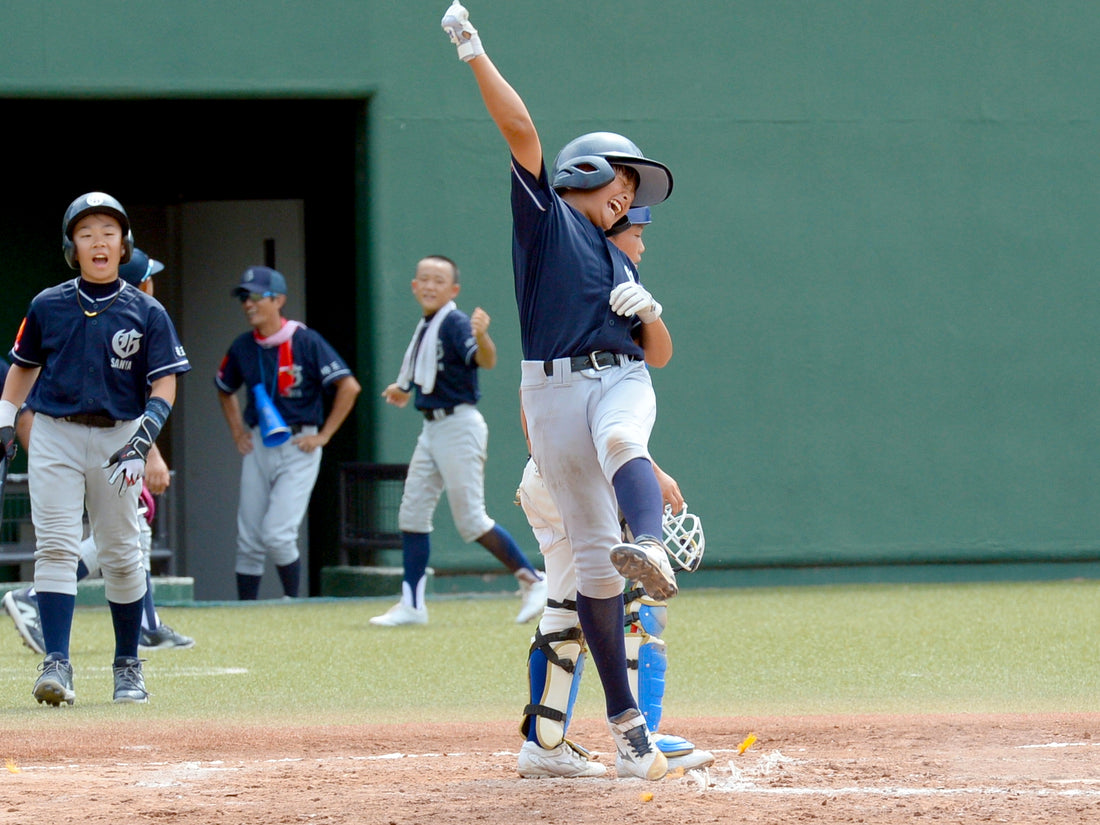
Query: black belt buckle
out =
(437, 413)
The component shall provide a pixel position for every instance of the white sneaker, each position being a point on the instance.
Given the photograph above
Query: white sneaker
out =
(637, 756)
(564, 760)
(401, 614)
(534, 600)
(696, 760)
(646, 563)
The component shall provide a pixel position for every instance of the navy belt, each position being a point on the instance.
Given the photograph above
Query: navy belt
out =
(599, 360)
(91, 420)
(438, 413)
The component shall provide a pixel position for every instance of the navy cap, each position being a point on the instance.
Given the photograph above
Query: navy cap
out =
(262, 279)
(140, 268)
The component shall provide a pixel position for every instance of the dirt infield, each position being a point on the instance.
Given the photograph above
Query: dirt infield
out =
(873, 769)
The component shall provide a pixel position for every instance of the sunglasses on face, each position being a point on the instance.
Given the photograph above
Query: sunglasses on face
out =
(255, 297)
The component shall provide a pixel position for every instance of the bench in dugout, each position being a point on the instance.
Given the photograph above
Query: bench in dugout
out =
(17, 530)
(370, 497)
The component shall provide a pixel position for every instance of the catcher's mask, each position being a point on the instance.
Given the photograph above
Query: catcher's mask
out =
(684, 539)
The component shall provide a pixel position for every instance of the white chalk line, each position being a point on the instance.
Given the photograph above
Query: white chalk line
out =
(751, 779)
(19, 675)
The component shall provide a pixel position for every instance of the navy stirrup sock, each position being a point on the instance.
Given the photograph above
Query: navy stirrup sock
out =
(127, 622)
(602, 623)
(500, 543)
(415, 550)
(639, 497)
(55, 611)
(290, 576)
(248, 587)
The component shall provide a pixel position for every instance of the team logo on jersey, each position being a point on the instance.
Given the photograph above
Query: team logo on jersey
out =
(125, 344)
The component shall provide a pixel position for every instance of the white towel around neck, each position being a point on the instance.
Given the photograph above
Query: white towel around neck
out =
(422, 372)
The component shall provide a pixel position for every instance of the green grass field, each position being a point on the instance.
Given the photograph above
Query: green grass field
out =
(1019, 647)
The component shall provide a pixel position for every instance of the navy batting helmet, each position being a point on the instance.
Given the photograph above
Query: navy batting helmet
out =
(635, 216)
(94, 203)
(140, 268)
(585, 163)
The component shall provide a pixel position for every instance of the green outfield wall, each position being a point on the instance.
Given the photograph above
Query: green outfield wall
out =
(879, 263)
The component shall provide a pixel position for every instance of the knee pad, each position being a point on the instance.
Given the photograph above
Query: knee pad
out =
(646, 656)
(554, 668)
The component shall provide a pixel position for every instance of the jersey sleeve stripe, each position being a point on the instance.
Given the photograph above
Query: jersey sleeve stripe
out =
(183, 365)
(533, 194)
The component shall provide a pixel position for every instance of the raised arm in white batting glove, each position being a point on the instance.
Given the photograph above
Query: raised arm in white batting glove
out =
(456, 22)
(631, 298)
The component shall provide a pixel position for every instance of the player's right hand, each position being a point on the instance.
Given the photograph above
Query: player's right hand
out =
(396, 396)
(456, 23)
(7, 443)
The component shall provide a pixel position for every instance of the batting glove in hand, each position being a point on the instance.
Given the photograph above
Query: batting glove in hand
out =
(631, 298)
(7, 443)
(129, 463)
(456, 22)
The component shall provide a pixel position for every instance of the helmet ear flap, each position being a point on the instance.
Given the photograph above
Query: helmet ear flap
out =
(584, 172)
(68, 249)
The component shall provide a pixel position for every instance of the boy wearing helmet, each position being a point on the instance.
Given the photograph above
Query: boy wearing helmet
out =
(97, 362)
(585, 389)
(22, 605)
(556, 658)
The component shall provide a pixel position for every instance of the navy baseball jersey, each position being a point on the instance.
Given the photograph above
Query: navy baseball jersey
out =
(98, 362)
(565, 268)
(315, 365)
(456, 370)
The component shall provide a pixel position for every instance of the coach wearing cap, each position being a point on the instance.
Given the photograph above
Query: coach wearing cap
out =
(299, 371)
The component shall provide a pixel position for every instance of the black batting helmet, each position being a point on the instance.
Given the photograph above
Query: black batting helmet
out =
(94, 203)
(585, 163)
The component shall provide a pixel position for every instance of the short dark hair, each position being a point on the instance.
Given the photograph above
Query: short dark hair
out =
(631, 174)
(446, 260)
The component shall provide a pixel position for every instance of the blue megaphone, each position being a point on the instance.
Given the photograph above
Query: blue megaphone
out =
(273, 430)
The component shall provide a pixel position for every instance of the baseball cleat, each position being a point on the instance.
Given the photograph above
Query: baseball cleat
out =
(696, 760)
(23, 609)
(129, 681)
(401, 614)
(164, 637)
(55, 681)
(534, 600)
(637, 755)
(563, 761)
(646, 562)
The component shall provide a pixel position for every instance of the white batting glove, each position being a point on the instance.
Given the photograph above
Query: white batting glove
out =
(128, 464)
(456, 22)
(631, 298)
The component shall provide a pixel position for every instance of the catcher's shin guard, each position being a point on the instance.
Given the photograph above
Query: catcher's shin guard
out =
(554, 668)
(646, 657)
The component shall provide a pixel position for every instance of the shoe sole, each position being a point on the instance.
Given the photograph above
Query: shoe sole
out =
(696, 760)
(396, 624)
(656, 771)
(53, 693)
(167, 646)
(540, 773)
(21, 626)
(130, 700)
(633, 563)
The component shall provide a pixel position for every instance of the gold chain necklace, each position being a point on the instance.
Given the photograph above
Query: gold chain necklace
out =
(88, 314)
